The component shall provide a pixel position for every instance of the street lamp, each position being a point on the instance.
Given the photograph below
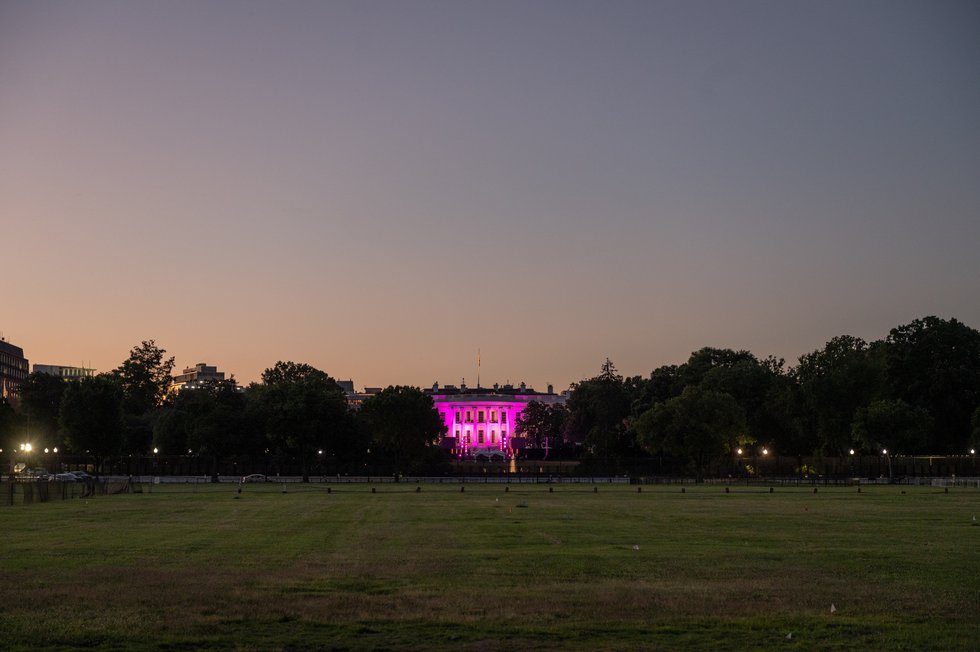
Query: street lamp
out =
(884, 451)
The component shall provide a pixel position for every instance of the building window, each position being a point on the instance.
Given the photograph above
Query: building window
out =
(493, 437)
(469, 440)
(479, 416)
(479, 437)
(469, 417)
(503, 417)
(457, 416)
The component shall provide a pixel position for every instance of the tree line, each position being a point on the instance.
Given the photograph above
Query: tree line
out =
(296, 412)
(916, 391)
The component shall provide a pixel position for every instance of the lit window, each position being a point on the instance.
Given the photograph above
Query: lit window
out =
(469, 417)
(479, 437)
(457, 416)
(479, 416)
(493, 437)
(503, 417)
(468, 439)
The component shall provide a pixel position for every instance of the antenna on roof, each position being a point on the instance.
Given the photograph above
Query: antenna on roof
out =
(478, 368)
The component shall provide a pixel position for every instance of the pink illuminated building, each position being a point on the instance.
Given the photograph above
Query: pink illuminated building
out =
(480, 422)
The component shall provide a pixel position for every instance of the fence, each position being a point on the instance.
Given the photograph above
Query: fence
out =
(45, 491)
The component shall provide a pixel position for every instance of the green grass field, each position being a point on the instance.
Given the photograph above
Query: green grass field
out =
(191, 568)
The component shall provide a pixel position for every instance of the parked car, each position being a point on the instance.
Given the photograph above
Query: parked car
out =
(66, 477)
(255, 477)
(81, 476)
(34, 474)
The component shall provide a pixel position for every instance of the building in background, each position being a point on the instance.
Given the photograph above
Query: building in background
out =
(13, 368)
(480, 422)
(65, 372)
(355, 398)
(194, 376)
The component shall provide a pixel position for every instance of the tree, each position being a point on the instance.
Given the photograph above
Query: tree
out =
(699, 425)
(169, 430)
(213, 419)
(9, 425)
(40, 401)
(598, 412)
(704, 360)
(303, 410)
(145, 377)
(893, 424)
(835, 382)
(403, 425)
(935, 364)
(664, 383)
(749, 382)
(541, 424)
(91, 416)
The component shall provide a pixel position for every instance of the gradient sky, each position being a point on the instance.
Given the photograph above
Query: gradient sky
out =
(381, 188)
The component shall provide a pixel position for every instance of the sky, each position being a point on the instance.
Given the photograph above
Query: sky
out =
(382, 188)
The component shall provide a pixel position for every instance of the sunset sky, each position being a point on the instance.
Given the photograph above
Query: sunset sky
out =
(382, 188)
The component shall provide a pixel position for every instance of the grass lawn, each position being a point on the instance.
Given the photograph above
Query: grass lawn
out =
(190, 568)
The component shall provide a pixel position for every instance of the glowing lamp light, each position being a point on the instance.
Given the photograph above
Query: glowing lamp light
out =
(973, 451)
(188, 451)
(765, 451)
(884, 451)
(27, 448)
(852, 451)
(320, 452)
(155, 450)
(55, 449)
(739, 451)
(45, 450)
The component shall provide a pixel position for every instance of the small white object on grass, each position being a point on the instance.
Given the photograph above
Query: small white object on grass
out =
(789, 637)
(833, 609)
(635, 547)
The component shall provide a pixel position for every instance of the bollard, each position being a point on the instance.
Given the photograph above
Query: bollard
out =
(859, 489)
(506, 489)
(551, 490)
(770, 489)
(374, 490)
(639, 490)
(462, 490)
(328, 489)
(945, 490)
(814, 490)
(683, 490)
(418, 490)
(595, 490)
(726, 490)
